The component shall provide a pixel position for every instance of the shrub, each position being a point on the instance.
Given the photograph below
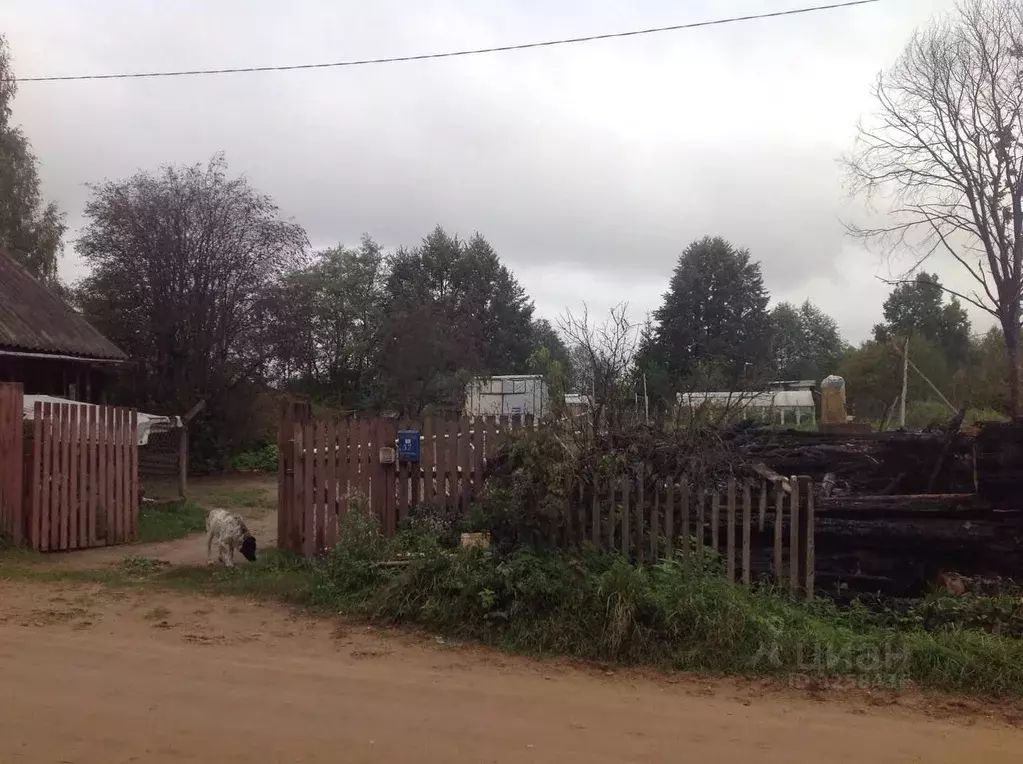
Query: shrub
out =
(599, 606)
(263, 459)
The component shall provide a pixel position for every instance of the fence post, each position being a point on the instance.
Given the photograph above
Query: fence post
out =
(747, 528)
(806, 537)
(794, 536)
(779, 518)
(640, 509)
(715, 520)
(626, 518)
(183, 461)
(730, 531)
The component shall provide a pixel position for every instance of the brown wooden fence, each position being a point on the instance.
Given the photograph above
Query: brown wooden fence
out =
(11, 458)
(759, 528)
(83, 481)
(324, 464)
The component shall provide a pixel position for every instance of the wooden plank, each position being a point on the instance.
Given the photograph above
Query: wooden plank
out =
(794, 536)
(389, 472)
(640, 509)
(330, 515)
(684, 540)
(116, 501)
(460, 468)
(626, 517)
(426, 462)
(809, 529)
(296, 522)
(72, 477)
(46, 479)
(102, 505)
(108, 488)
(613, 488)
(747, 529)
(730, 531)
(477, 457)
(583, 529)
(669, 518)
(311, 479)
(133, 471)
(655, 520)
(320, 478)
(595, 511)
(64, 473)
(123, 492)
(84, 438)
(762, 519)
(701, 528)
(38, 471)
(715, 520)
(442, 430)
(93, 499)
(779, 522)
(344, 430)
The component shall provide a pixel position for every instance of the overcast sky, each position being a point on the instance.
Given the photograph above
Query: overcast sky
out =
(588, 167)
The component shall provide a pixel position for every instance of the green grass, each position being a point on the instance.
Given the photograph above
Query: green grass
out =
(596, 606)
(169, 522)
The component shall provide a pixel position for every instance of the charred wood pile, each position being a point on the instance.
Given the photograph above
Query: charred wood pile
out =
(907, 507)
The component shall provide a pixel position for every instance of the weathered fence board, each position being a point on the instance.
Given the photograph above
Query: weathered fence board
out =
(81, 477)
(12, 523)
(325, 465)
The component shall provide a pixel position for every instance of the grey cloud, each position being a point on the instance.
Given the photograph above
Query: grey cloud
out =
(604, 160)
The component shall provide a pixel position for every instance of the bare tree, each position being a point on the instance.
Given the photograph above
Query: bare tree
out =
(945, 148)
(603, 356)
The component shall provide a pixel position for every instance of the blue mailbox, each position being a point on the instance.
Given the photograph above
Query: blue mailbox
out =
(408, 445)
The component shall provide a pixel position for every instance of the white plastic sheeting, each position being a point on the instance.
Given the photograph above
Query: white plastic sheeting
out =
(149, 424)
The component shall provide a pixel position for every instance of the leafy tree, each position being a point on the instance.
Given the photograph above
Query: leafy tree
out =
(30, 229)
(713, 324)
(184, 264)
(946, 145)
(452, 311)
(873, 376)
(806, 343)
(333, 309)
(918, 307)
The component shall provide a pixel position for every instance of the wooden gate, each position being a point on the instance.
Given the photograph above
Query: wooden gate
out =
(83, 484)
(324, 465)
(11, 463)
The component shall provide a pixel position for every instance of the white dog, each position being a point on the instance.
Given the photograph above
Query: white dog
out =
(228, 531)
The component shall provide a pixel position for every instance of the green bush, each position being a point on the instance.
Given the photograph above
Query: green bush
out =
(262, 459)
(923, 414)
(599, 606)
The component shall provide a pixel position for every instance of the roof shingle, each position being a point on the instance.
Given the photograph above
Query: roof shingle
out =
(34, 319)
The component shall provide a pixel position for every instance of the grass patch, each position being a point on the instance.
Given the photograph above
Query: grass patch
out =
(170, 522)
(597, 606)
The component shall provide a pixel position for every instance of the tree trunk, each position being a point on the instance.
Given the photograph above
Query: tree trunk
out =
(1010, 329)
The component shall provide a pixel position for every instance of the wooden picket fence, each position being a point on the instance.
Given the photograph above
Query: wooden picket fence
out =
(324, 465)
(761, 529)
(83, 481)
(11, 458)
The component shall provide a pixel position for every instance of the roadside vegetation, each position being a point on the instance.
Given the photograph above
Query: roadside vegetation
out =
(598, 607)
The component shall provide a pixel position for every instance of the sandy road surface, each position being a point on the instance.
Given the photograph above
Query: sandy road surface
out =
(94, 676)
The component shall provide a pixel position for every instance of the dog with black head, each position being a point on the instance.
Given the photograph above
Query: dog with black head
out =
(228, 532)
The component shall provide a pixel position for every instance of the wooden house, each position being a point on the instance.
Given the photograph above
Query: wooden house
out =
(48, 346)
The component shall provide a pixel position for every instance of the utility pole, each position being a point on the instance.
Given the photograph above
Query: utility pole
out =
(905, 384)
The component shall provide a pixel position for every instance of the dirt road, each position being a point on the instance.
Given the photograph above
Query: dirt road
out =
(91, 676)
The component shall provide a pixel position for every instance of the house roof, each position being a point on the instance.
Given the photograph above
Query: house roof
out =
(34, 319)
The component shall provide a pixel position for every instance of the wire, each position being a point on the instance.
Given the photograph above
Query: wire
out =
(450, 54)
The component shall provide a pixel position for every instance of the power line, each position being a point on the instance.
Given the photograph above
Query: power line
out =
(451, 54)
